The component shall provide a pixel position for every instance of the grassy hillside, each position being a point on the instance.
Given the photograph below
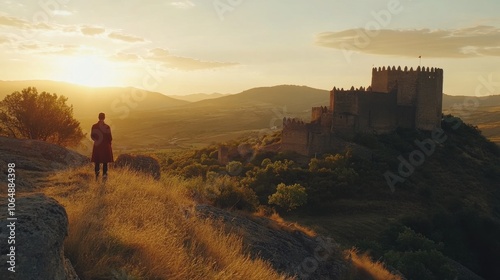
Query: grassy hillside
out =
(445, 210)
(133, 227)
(136, 228)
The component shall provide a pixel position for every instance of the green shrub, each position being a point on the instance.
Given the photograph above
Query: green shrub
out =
(234, 168)
(289, 197)
(227, 192)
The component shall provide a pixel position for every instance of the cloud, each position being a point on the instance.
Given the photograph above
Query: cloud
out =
(21, 23)
(163, 56)
(62, 13)
(466, 42)
(125, 37)
(13, 22)
(91, 30)
(85, 30)
(125, 57)
(45, 48)
(183, 63)
(186, 4)
(4, 39)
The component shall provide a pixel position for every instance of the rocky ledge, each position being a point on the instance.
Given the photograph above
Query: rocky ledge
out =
(32, 244)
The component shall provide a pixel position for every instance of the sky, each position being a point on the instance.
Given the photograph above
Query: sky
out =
(227, 46)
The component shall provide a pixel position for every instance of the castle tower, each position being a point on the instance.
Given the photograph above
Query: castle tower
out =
(429, 99)
(419, 94)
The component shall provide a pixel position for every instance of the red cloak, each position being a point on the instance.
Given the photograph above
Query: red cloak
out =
(101, 134)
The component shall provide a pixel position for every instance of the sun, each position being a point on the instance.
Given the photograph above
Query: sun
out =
(88, 70)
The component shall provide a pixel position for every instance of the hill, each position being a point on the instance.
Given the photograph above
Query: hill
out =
(420, 208)
(198, 96)
(256, 111)
(161, 122)
(89, 101)
(484, 112)
(134, 227)
(456, 101)
(295, 99)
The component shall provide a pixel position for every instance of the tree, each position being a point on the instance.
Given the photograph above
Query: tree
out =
(289, 197)
(234, 168)
(44, 116)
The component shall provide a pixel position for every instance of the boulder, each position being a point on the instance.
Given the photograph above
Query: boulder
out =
(140, 163)
(40, 229)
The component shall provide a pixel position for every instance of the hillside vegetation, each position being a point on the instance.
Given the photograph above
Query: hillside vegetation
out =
(444, 209)
(136, 228)
(133, 227)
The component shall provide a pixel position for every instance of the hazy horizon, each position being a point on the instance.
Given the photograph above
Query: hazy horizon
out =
(219, 94)
(188, 47)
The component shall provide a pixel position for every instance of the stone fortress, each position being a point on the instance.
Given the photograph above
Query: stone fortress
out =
(397, 98)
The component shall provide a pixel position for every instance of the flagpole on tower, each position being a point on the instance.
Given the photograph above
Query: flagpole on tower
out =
(420, 62)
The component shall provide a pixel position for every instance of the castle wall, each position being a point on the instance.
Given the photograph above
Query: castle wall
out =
(326, 122)
(346, 101)
(320, 142)
(344, 124)
(387, 79)
(295, 136)
(429, 99)
(406, 116)
(380, 80)
(378, 112)
(317, 113)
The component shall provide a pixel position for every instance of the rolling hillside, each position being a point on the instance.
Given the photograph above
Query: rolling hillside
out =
(162, 122)
(295, 98)
(88, 101)
(484, 112)
(197, 96)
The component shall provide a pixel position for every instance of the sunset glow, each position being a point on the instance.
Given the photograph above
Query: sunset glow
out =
(230, 46)
(89, 70)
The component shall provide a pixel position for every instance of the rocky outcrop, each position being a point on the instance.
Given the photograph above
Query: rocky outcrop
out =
(140, 163)
(34, 158)
(36, 239)
(288, 251)
(36, 155)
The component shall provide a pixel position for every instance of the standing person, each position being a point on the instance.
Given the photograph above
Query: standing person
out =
(101, 152)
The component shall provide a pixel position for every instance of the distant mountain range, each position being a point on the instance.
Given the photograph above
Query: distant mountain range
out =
(197, 96)
(285, 97)
(89, 101)
(295, 98)
(154, 120)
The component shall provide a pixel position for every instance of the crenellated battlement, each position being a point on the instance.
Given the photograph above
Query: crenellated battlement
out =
(406, 70)
(351, 90)
(293, 123)
(320, 109)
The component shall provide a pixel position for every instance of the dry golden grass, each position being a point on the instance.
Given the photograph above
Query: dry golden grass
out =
(133, 227)
(282, 224)
(365, 268)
